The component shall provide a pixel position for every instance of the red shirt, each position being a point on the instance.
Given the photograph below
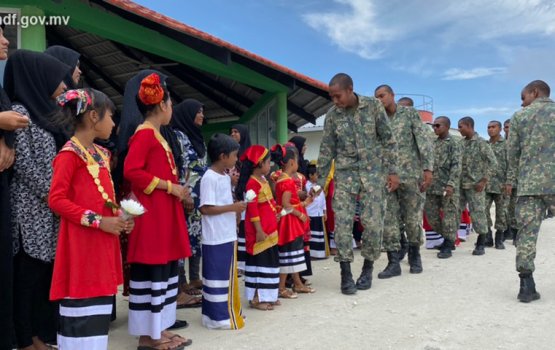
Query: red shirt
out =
(262, 209)
(290, 226)
(88, 260)
(160, 235)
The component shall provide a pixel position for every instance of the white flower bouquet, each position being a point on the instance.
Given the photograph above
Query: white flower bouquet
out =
(131, 208)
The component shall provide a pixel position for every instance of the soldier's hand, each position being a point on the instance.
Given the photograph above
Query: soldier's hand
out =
(508, 190)
(480, 185)
(448, 191)
(427, 181)
(392, 182)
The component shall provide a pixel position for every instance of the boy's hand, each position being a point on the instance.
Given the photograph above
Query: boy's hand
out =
(239, 207)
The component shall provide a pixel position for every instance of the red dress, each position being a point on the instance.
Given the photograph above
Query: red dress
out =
(88, 260)
(290, 226)
(262, 209)
(160, 235)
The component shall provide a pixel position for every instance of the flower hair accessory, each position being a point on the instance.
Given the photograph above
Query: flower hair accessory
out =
(83, 99)
(151, 91)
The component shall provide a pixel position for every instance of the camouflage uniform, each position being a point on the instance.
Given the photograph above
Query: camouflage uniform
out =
(414, 141)
(478, 161)
(447, 172)
(495, 189)
(531, 153)
(357, 138)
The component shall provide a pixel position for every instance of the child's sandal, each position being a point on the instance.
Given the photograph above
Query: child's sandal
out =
(304, 289)
(287, 294)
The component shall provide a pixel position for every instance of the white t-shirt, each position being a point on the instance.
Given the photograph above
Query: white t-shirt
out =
(318, 206)
(215, 189)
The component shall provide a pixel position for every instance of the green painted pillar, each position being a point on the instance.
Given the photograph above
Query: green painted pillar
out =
(281, 122)
(34, 36)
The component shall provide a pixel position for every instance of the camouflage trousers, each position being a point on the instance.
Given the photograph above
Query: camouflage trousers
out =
(438, 205)
(530, 211)
(477, 207)
(511, 208)
(371, 217)
(500, 210)
(404, 206)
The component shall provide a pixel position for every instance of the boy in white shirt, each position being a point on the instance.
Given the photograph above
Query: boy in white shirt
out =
(221, 305)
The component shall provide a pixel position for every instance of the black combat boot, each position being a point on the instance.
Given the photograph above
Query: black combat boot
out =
(508, 234)
(404, 247)
(479, 250)
(489, 239)
(499, 240)
(445, 251)
(527, 292)
(365, 280)
(347, 283)
(414, 259)
(393, 268)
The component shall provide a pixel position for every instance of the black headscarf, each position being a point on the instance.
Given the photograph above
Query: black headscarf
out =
(183, 119)
(299, 142)
(245, 141)
(131, 118)
(69, 57)
(31, 78)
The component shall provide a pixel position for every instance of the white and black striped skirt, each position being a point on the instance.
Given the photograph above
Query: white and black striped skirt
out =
(262, 275)
(84, 323)
(292, 257)
(152, 298)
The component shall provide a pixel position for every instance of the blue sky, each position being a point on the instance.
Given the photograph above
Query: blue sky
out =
(472, 57)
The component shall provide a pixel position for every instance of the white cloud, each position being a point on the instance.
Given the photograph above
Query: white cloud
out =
(355, 30)
(369, 28)
(466, 74)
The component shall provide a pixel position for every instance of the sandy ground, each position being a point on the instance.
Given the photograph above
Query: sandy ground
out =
(466, 302)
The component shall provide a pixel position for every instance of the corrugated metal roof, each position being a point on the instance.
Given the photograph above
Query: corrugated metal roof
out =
(108, 65)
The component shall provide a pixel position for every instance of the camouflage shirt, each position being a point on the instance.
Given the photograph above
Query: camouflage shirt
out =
(478, 161)
(361, 141)
(531, 149)
(414, 143)
(495, 184)
(447, 165)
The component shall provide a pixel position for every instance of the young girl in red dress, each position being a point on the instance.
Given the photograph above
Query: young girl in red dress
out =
(87, 267)
(160, 237)
(261, 235)
(293, 222)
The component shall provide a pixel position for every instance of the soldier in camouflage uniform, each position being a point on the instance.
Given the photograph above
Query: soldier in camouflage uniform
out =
(531, 150)
(495, 191)
(358, 136)
(443, 194)
(511, 231)
(478, 166)
(415, 165)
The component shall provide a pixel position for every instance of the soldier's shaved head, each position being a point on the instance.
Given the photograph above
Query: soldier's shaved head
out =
(406, 101)
(467, 121)
(508, 121)
(496, 122)
(540, 86)
(386, 87)
(342, 80)
(445, 120)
